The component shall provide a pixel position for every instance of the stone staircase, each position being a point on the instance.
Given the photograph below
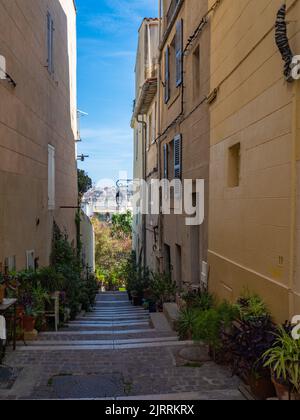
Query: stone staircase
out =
(113, 324)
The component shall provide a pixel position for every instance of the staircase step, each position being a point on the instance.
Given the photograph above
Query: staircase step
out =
(105, 347)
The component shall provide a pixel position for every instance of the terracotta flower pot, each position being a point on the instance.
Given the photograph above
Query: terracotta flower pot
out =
(262, 388)
(20, 311)
(283, 392)
(28, 323)
(2, 293)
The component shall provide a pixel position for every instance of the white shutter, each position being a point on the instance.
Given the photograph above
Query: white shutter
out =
(30, 257)
(179, 52)
(51, 177)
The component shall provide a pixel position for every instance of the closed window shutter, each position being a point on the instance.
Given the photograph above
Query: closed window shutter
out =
(179, 52)
(51, 177)
(167, 75)
(177, 165)
(177, 156)
(166, 161)
(50, 32)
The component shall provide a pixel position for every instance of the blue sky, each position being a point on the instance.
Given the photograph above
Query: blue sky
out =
(107, 42)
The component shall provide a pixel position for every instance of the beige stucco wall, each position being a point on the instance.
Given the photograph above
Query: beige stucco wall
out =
(251, 226)
(144, 151)
(41, 110)
(194, 128)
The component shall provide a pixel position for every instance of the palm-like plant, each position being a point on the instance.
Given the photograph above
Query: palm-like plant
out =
(284, 359)
(186, 322)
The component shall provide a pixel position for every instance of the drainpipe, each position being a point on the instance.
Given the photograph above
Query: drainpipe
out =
(158, 143)
(144, 124)
(296, 98)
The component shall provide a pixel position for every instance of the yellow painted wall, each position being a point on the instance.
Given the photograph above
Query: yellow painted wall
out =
(250, 226)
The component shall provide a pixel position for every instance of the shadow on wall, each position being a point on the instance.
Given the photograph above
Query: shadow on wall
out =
(36, 113)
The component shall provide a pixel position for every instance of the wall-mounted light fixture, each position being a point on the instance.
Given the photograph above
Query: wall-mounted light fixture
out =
(82, 157)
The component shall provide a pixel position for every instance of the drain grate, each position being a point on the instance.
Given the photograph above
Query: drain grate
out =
(8, 377)
(88, 386)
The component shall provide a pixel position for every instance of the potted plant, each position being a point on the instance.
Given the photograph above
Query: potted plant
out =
(2, 288)
(136, 298)
(251, 335)
(163, 289)
(283, 358)
(29, 319)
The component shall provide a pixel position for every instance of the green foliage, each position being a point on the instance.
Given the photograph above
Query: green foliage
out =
(163, 288)
(186, 323)
(206, 321)
(2, 281)
(284, 359)
(84, 182)
(66, 263)
(202, 300)
(50, 280)
(207, 328)
(112, 253)
(122, 225)
(252, 307)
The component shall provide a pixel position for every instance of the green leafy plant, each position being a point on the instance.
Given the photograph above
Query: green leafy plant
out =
(210, 325)
(252, 307)
(50, 280)
(186, 323)
(283, 358)
(162, 288)
(2, 280)
(122, 225)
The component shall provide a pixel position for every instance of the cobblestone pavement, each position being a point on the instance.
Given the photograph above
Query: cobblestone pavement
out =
(112, 352)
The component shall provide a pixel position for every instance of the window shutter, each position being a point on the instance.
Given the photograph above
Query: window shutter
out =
(179, 52)
(165, 161)
(167, 75)
(50, 31)
(177, 166)
(177, 156)
(51, 177)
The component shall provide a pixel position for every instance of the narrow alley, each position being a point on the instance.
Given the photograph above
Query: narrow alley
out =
(113, 353)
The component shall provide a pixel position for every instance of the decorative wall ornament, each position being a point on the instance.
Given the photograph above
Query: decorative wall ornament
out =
(282, 42)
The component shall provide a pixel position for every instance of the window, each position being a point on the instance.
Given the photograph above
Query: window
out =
(30, 260)
(167, 259)
(177, 157)
(179, 267)
(167, 75)
(196, 72)
(171, 11)
(10, 264)
(50, 43)
(150, 130)
(234, 165)
(166, 172)
(51, 177)
(179, 52)
(154, 122)
(136, 144)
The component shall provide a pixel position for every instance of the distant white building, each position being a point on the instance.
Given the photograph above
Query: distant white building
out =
(108, 201)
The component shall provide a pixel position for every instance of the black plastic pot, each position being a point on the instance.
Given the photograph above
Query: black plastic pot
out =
(152, 308)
